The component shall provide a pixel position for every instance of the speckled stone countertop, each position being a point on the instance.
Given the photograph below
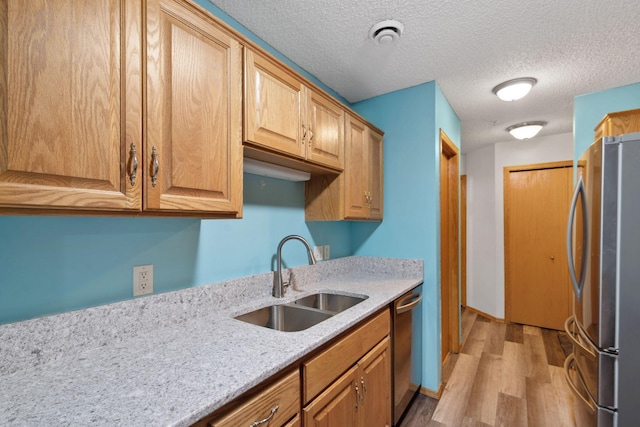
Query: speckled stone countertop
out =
(102, 366)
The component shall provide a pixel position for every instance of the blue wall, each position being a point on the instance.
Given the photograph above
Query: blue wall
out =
(411, 119)
(591, 108)
(55, 264)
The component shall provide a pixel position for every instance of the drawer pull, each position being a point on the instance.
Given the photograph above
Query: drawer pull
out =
(357, 396)
(266, 420)
(364, 388)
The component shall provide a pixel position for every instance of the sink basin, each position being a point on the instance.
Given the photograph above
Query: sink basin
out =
(287, 318)
(330, 303)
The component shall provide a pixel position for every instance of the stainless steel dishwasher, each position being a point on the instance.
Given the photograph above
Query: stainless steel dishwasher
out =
(407, 350)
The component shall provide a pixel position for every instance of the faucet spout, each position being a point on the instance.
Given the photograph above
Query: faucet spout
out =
(280, 284)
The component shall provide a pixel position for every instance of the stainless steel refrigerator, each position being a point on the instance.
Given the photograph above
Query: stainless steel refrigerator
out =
(603, 245)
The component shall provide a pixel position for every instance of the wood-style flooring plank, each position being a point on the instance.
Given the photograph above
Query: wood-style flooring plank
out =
(452, 404)
(514, 333)
(468, 319)
(483, 398)
(564, 397)
(470, 422)
(552, 348)
(474, 344)
(514, 370)
(542, 408)
(494, 342)
(420, 412)
(535, 357)
(511, 411)
(531, 330)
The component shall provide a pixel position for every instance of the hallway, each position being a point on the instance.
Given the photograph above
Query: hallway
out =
(506, 375)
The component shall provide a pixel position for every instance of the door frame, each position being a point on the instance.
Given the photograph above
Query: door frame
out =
(505, 191)
(449, 247)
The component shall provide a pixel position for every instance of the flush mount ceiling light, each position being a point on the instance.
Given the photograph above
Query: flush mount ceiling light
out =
(514, 89)
(386, 32)
(525, 130)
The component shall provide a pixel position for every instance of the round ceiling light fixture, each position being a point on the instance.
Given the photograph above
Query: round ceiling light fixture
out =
(525, 130)
(515, 89)
(386, 32)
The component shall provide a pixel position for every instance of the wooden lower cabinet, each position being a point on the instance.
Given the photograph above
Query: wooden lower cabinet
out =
(277, 404)
(347, 383)
(361, 397)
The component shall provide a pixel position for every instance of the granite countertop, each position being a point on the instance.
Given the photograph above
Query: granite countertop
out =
(171, 359)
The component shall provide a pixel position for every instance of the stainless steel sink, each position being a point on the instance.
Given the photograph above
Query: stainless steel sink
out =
(330, 303)
(287, 318)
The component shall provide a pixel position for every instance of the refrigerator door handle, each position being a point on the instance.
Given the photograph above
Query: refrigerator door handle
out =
(578, 285)
(576, 337)
(568, 364)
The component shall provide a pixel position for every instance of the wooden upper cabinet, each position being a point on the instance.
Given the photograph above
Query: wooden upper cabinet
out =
(273, 106)
(357, 193)
(282, 115)
(70, 104)
(618, 123)
(325, 130)
(193, 150)
(363, 186)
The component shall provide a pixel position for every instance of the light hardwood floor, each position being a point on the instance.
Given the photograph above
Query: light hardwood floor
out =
(506, 375)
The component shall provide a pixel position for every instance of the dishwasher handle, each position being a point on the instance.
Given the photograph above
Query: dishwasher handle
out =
(408, 303)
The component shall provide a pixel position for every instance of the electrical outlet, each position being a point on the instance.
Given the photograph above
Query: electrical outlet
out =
(318, 252)
(327, 254)
(142, 280)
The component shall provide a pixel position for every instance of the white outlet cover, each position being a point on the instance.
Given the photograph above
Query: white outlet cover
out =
(327, 254)
(318, 252)
(142, 280)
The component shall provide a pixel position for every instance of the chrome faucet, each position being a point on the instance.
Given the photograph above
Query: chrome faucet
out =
(280, 284)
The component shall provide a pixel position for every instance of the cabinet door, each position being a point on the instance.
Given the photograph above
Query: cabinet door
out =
(355, 174)
(375, 386)
(375, 156)
(338, 405)
(325, 131)
(273, 106)
(193, 150)
(70, 103)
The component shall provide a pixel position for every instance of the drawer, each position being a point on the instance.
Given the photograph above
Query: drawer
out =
(321, 370)
(284, 395)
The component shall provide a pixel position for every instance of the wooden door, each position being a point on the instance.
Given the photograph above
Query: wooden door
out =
(273, 106)
(355, 173)
(449, 260)
(536, 205)
(375, 381)
(194, 112)
(70, 104)
(376, 192)
(325, 130)
(337, 405)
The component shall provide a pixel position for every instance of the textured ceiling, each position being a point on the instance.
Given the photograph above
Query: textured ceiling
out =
(572, 47)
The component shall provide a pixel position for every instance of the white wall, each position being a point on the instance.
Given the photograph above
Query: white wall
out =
(485, 212)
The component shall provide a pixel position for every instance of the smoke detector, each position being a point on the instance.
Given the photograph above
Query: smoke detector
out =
(386, 32)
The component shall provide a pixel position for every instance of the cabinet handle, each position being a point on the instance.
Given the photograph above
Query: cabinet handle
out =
(357, 395)
(304, 133)
(310, 135)
(364, 388)
(134, 165)
(266, 420)
(156, 166)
